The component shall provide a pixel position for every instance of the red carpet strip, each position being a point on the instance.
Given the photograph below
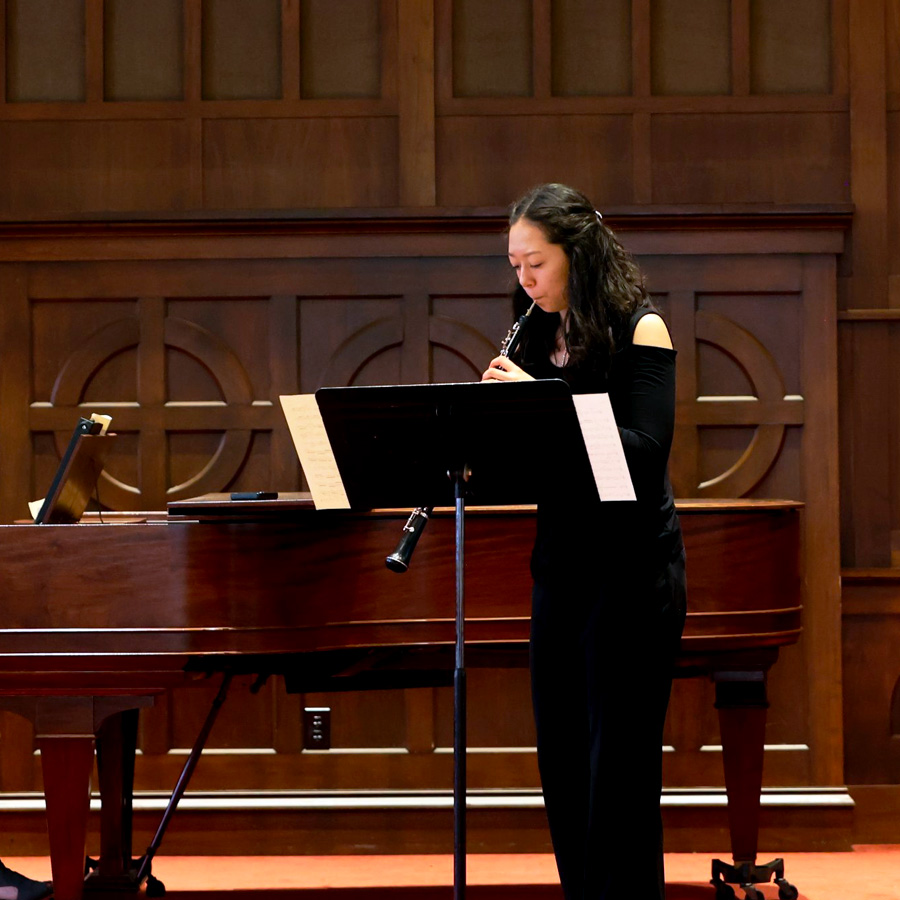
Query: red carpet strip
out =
(867, 873)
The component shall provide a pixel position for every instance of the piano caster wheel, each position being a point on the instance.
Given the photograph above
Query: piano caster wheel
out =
(155, 888)
(723, 891)
(786, 891)
(751, 893)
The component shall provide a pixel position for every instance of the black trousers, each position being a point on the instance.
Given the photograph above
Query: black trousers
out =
(601, 674)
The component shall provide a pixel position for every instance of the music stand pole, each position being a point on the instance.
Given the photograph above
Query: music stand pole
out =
(459, 697)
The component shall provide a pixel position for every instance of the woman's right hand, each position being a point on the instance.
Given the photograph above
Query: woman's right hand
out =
(502, 368)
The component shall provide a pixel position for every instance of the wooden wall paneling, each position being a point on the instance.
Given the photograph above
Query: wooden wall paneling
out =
(3, 52)
(747, 348)
(871, 619)
(893, 47)
(16, 392)
(893, 147)
(684, 469)
(428, 294)
(845, 413)
(492, 48)
(443, 52)
(416, 102)
(641, 49)
(342, 49)
(792, 47)
(419, 707)
(869, 414)
(822, 622)
(415, 355)
(93, 50)
(17, 769)
(300, 162)
(152, 396)
(193, 50)
(888, 432)
(143, 51)
(284, 365)
(290, 49)
(241, 49)
(590, 52)
(389, 18)
(597, 157)
(840, 62)
(642, 157)
(349, 340)
(288, 720)
(641, 122)
(868, 153)
(690, 47)
(58, 168)
(45, 50)
(750, 157)
(740, 47)
(541, 48)
(155, 728)
(226, 342)
(193, 91)
(245, 725)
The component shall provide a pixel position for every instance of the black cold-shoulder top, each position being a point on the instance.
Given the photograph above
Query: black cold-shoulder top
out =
(576, 534)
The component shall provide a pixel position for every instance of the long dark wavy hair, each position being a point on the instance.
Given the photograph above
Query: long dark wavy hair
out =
(605, 286)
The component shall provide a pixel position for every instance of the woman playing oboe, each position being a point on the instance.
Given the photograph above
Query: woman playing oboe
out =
(608, 601)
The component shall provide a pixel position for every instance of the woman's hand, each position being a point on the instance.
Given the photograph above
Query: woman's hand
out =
(502, 368)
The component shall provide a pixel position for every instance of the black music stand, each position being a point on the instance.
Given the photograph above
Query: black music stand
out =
(436, 444)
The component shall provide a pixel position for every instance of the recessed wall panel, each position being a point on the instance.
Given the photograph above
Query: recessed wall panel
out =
(790, 46)
(691, 46)
(591, 47)
(893, 175)
(299, 163)
(489, 161)
(492, 47)
(50, 168)
(45, 50)
(751, 158)
(340, 49)
(241, 42)
(143, 49)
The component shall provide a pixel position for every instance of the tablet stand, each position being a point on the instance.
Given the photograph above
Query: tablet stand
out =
(77, 474)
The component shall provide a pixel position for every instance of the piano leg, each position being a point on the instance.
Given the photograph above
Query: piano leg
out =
(116, 744)
(742, 705)
(67, 763)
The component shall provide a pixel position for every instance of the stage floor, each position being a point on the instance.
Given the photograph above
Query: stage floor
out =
(870, 872)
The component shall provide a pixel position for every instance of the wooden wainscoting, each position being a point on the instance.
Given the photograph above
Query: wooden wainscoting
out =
(187, 333)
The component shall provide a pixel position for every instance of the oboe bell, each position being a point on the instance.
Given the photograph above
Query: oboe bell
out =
(398, 561)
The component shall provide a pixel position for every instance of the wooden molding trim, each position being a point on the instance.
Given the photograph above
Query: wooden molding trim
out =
(834, 217)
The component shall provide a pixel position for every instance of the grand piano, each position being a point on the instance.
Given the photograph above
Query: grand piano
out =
(99, 618)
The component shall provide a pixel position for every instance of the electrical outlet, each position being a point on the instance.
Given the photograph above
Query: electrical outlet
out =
(317, 728)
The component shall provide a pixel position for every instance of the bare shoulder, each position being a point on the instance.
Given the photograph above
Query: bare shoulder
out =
(651, 331)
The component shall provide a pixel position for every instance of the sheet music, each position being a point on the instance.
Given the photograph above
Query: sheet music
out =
(314, 449)
(604, 447)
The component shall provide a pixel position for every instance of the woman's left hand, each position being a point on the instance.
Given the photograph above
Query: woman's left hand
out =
(502, 368)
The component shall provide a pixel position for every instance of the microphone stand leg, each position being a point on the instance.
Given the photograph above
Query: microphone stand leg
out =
(459, 702)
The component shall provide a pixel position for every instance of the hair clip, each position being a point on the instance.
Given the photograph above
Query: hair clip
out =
(598, 214)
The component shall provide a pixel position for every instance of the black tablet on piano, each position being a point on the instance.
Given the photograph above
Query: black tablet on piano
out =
(75, 481)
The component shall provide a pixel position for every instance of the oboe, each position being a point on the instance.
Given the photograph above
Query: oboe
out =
(398, 561)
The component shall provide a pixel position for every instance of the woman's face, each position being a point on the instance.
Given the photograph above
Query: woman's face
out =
(541, 267)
